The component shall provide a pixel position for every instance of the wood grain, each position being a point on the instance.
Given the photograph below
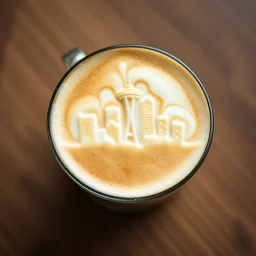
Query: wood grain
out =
(42, 212)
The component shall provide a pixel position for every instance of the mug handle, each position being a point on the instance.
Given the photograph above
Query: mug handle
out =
(72, 57)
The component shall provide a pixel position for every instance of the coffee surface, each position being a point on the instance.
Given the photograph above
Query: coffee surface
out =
(130, 122)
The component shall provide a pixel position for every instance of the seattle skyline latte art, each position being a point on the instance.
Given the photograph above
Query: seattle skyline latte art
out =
(133, 116)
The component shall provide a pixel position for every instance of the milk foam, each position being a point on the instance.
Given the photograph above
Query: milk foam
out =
(119, 107)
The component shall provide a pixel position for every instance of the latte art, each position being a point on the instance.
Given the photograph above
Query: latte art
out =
(130, 122)
(134, 115)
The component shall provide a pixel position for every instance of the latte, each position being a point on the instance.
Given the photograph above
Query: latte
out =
(130, 122)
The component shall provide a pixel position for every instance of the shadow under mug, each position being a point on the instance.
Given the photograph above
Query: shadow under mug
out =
(72, 59)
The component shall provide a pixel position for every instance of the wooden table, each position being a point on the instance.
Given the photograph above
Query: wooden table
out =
(42, 212)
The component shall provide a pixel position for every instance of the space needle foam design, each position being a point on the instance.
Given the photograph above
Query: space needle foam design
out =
(129, 95)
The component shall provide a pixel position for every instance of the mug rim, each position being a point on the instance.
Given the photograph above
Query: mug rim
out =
(131, 199)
